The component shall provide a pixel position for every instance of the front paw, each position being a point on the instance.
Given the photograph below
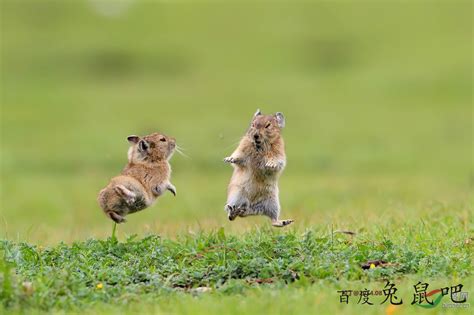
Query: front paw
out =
(233, 160)
(172, 189)
(229, 159)
(273, 165)
(127, 195)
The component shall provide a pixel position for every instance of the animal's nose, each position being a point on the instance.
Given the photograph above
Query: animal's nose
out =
(256, 136)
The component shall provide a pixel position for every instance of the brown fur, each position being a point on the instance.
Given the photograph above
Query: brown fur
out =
(258, 162)
(144, 178)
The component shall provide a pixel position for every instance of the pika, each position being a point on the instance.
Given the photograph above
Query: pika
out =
(258, 162)
(145, 177)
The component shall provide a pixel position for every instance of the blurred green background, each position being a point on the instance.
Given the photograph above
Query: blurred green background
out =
(377, 97)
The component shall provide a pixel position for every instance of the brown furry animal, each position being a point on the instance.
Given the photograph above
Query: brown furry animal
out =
(258, 162)
(144, 178)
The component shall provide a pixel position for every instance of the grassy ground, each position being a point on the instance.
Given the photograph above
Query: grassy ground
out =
(378, 103)
(101, 273)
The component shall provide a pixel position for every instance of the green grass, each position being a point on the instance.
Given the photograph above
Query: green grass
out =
(378, 102)
(83, 274)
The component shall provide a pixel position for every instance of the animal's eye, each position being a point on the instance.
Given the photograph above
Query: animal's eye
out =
(268, 125)
(163, 139)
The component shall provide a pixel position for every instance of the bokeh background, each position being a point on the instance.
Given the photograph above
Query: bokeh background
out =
(377, 97)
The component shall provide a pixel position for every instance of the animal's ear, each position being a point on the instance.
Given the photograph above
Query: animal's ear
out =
(143, 145)
(257, 113)
(280, 119)
(133, 139)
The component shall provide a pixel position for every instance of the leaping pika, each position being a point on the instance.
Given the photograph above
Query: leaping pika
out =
(144, 178)
(258, 162)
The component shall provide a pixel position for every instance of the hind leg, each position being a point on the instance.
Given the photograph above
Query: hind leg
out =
(236, 211)
(270, 208)
(274, 216)
(237, 204)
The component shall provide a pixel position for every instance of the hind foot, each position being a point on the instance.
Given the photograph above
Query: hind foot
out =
(234, 211)
(117, 218)
(281, 223)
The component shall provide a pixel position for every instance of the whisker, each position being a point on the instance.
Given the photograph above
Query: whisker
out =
(178, 149)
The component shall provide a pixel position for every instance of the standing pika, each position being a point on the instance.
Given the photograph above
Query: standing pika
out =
(258, 162)
(144, 178)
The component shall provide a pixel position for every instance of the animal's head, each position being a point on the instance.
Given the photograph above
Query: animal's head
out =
(151, 148)
(265, 129)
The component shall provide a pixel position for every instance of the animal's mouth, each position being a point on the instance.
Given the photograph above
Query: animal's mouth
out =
(258, 144)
